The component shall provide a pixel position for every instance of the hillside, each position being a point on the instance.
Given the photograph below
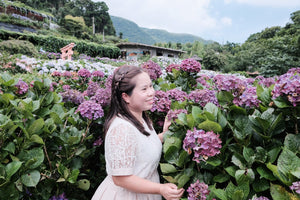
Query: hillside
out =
(134, 33)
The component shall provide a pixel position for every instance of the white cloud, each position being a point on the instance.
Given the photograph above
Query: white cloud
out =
(226, 21)
(273, 3)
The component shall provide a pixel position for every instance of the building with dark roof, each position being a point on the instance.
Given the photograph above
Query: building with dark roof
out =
(132, 51)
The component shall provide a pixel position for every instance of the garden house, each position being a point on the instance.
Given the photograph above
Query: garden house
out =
(132, 51)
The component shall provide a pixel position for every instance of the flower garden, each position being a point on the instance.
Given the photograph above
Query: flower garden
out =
(232, 137)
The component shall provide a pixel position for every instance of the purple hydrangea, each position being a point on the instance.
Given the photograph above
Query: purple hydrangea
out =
(172, 66)
(56, 73)
(90, 109)
(202, 79)
(172, 114)
(288, 85)
(22, 87)
(108, 82)
(59, 197)
(153, 69)
(266, 82)
(66, 87)
(67, 74)
(177, 95)
(84, 73)
(161, 102)
(296, 186)
(203, 97)
(92, 88)
(190, 65)
(98, 74)
(102, 96)
(73, 96)
(248, 98)
(98, 142)
(203, 144)
(230, 83)
(198, 191)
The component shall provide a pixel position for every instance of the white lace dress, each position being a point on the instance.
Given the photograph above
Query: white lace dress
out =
(129, 152)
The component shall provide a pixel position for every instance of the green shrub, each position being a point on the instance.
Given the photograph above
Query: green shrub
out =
(18, 47)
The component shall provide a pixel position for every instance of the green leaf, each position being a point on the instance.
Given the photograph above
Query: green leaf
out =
(210, 126)
(36, 139)
(280, 102)
(167, 168)
(73, 176)
(84, 184)
(238, 195)
(265, 173)
(279, 193)
(249, 155)
(190, 121)
(171, 141)
(273, 154)
(172, 155)
(170, 179)
(292, 142)
(12, 168)
(224, 97)
(183, 179)
(288, 162)
(213, 109)
(9, 192)
(246, 175)
(10, 147)
(221, 194)
(182, 158)
(33, 158)
(36, 127)
(181, 119)
(231, 170)
(221, 178)
(31, 178)
(238, 162)
(261, 185)
(274, 169)
(196, 113)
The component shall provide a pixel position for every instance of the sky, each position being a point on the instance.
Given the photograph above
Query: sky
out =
(219, 20)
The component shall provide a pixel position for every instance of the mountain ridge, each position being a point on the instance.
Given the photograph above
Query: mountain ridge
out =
(134, 33)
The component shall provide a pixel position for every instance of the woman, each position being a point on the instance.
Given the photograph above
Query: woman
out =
(132, 147)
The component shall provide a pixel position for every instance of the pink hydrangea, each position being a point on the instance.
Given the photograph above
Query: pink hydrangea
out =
(90, 110)
(84, 73)
(153, 69)
(190, 65)
(202, 144)
(296, 186)
(198, 191)
(22, 87)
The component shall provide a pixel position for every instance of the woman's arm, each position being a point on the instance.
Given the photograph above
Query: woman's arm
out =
(139, 185)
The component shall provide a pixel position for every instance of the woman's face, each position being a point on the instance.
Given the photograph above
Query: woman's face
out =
(142, 95)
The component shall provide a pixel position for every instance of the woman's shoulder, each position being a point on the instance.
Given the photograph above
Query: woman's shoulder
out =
(119, 123)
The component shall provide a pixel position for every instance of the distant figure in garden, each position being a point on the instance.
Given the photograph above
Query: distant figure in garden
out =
(132, 147)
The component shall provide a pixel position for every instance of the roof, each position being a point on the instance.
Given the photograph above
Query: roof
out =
(136, 45)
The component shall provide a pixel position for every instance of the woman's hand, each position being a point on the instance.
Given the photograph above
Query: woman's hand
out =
(170, 191)
(166, 126)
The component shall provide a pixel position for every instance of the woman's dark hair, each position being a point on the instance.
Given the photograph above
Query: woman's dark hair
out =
(122, 83)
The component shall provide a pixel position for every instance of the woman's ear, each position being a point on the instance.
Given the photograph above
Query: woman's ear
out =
(125, 97)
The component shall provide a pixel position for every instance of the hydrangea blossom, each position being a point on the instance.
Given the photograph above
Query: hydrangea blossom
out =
(66, 87)
(190, 65)
(266, 82)
(22, 87)
(296, 186)
(172, 66)
(161, 102)
(73, 96)
(203, 144)
(230, 83)
(153, 69)
(102, 96)
(202, 79)
(288, 85)
(198, 191)
(84, 73)
(177, 95)
(173, 114)
(248, 98)
(98, 142)
(92, 88)
(98, 74)
(56, 73)
(90, 109)
(67, 74)
(59, 197)
(203, 97)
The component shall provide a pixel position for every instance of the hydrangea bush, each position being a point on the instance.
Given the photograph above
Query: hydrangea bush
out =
(231, 137)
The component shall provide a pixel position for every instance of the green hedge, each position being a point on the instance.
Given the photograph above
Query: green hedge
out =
(54, 44)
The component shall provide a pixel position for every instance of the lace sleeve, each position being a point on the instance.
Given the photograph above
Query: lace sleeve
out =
(121, 148)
